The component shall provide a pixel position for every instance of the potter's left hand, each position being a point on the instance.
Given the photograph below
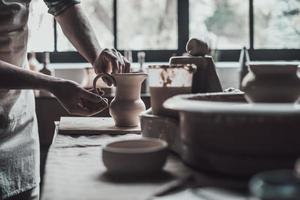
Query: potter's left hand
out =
(76, 100)
(111, 61)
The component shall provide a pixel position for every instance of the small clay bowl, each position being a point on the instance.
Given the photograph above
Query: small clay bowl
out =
(135, 157)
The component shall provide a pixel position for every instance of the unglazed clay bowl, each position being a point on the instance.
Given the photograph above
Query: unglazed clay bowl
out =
(135, 157)
(222, 132)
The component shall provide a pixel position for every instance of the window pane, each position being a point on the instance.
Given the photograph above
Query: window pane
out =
(277, 24)
(224, 24)
(147, 24)
(40, 25)
(100, 14)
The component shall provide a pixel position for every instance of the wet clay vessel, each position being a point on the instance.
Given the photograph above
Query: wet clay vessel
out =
(271, 83)
(127, 103)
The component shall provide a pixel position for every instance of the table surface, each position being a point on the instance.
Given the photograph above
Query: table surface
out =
(74, 170)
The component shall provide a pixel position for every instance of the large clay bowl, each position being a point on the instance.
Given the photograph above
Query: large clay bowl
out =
(222, 132)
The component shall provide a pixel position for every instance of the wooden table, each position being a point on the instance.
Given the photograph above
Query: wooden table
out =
(74, 170)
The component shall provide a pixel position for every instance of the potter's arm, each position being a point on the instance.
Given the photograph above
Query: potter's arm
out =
(13, 77)
(78, 30)
(74, 99)
(75, 26)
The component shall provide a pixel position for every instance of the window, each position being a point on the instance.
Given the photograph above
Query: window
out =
(161, 28)
(100, 15)
(223, 23)
(40, 27)
(277, 24)
(147, 25)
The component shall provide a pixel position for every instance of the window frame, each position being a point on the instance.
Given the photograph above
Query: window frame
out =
(183, 36)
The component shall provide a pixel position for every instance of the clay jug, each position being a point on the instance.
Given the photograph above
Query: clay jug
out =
(271, 83)
(127, 103)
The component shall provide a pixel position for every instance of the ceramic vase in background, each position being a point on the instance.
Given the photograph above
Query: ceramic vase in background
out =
(271, 83)
(127, 104)
(243, 62)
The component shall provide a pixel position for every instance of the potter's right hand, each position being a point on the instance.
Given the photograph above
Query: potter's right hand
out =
(76, 100)
(111, 61)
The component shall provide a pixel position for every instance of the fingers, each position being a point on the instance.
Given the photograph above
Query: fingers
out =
(92, 103)
(127, 65)
(111, 61)
(87, 108)
(115, 67)
(90, 96)
(111, 64)
(113, 53)
(81, 110)
(121, 63)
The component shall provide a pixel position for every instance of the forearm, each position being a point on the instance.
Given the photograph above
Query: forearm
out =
(77, 28)
(13, 77)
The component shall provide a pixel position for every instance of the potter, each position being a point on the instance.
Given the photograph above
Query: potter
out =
(127, 104)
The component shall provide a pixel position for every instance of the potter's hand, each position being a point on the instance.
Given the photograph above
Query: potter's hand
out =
(76, 100)
(111, 61)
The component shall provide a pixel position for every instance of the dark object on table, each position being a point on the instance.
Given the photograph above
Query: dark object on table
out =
(269, 82)
(195, 180)
(205, 79)
(221, 132)
(276, 185)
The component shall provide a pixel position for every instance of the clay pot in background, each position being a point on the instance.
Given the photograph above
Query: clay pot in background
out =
(271, 83)
(127, 104)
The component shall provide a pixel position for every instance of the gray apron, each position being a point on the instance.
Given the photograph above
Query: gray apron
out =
(19, 144)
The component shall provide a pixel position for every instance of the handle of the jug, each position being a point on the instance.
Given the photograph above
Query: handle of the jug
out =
(108, 76)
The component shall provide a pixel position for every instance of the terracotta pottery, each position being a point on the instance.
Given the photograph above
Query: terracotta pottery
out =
(271, 83)
(127, 103)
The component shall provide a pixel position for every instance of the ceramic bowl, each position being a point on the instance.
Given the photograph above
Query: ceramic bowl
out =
(274, 185)
(136, 157)
(222, 132)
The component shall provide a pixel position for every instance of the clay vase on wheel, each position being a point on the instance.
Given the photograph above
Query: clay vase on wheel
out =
(127, 104)
(271, 83)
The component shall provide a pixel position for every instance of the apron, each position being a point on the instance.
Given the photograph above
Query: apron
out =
(19, 143)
